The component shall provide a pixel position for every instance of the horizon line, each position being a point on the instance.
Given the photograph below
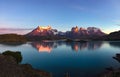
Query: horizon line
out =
(53, 28)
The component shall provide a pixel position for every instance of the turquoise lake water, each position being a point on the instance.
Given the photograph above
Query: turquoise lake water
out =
(73, 58)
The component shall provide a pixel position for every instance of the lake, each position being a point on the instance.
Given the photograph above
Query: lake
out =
(69, 58)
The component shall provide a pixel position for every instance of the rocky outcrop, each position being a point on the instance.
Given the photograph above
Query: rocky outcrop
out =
(10, 68)
(117, 57)
(110, 71)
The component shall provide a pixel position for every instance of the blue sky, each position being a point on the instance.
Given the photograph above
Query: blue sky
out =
(60, 14)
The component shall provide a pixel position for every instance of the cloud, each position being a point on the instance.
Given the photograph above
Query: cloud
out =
(13, 30)
(118, 24)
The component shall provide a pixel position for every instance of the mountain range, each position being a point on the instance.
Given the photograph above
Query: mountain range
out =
(75, 33)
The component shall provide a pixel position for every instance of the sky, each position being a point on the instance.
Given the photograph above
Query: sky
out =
(60, 14)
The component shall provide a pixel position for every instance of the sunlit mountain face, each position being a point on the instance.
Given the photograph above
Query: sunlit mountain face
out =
(42, 31)
(75, 29)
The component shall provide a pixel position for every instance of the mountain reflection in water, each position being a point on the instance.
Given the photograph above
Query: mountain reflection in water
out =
(43, 46)
(48, 46)
(64, 59)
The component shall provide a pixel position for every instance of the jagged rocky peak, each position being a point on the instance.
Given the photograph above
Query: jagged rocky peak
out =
(43, 31)
(93, 29)
(75, 29)
(87, 31)
(81, 28)
(41, 28)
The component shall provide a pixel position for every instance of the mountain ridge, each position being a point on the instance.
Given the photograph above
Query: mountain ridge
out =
(75, 33)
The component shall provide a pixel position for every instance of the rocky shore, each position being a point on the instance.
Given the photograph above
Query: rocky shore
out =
(10, 68)
(110, 71)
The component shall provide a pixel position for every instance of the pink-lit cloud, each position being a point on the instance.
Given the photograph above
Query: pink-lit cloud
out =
(16, 31)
